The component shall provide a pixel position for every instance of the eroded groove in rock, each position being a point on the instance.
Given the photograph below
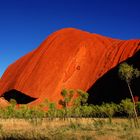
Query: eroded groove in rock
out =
(18, 96)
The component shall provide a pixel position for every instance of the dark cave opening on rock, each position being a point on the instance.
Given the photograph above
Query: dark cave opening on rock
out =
(20, 97)
(110, 88)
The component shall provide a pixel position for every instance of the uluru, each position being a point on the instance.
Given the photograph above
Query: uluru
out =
(72, 59)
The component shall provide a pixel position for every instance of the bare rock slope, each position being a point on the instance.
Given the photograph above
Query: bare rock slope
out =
(69, 58)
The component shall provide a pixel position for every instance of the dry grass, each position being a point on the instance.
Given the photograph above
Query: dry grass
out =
(71, 129)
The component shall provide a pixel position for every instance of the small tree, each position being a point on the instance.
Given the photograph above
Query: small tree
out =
(128, 107)
(72, 101)
(127, 73)
(52, 110)
(79, 101)
(66, 101)
(86, 111)
(83, 96)
(109, 110)
(67, 96)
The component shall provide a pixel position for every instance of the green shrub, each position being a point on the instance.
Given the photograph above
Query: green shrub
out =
(109, 110)
(127, 107)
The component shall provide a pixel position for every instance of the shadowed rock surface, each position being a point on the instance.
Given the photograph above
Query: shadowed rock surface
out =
(20, 97)
(109, 88)
(69, 58)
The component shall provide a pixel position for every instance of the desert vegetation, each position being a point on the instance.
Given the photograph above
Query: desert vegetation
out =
(75, 119)
(127, 72)
(80, 121)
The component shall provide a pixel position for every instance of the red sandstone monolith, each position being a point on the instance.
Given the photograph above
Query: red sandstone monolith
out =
(69, 58)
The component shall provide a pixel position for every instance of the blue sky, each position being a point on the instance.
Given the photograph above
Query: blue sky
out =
(24, 24)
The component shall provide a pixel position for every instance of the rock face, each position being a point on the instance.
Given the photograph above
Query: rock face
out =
(3, 102)
(69, 58)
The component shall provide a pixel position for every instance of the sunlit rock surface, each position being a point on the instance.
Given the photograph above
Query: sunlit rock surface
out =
(68, 58)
